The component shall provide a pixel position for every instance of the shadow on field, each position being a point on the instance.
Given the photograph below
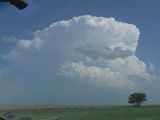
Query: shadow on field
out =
(12, 116)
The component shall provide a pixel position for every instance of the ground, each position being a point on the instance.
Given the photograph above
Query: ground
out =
(85, 112)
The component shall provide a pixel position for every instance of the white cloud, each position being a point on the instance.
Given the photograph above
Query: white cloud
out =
(151, 67)
(24, 43)
(130, 66)
(97, 75)
(105, 47)
(8, 40)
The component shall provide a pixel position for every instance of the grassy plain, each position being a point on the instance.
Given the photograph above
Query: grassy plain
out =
(85, 112)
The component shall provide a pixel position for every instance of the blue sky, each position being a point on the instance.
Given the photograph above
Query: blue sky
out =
(29, 75)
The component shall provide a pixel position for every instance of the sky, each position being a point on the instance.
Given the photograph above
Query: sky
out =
(79, 52)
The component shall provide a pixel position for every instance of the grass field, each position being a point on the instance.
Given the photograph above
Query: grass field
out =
(85, 112)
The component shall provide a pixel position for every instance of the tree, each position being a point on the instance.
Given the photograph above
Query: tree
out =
(137, 99)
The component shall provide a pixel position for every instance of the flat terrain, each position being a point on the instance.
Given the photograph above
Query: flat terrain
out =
(85, 112)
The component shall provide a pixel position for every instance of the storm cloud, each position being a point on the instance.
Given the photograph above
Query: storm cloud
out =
(101, 49)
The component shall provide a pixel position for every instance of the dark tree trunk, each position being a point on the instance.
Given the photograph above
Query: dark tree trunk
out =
(138, 104)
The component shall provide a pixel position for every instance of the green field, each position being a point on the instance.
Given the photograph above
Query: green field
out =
(85, 112)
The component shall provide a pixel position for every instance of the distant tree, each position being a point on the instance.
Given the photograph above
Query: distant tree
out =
(137, 99)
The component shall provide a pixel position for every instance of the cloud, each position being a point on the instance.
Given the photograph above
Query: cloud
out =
(130, 67)
(8, 40)
(98, 75)
(151, 67)
(24, 43)
(99, 49)
(106, 53)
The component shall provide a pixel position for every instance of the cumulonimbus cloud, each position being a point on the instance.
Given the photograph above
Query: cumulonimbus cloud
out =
(99, 49)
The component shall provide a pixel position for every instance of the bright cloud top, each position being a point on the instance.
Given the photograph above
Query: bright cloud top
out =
(98, 49)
